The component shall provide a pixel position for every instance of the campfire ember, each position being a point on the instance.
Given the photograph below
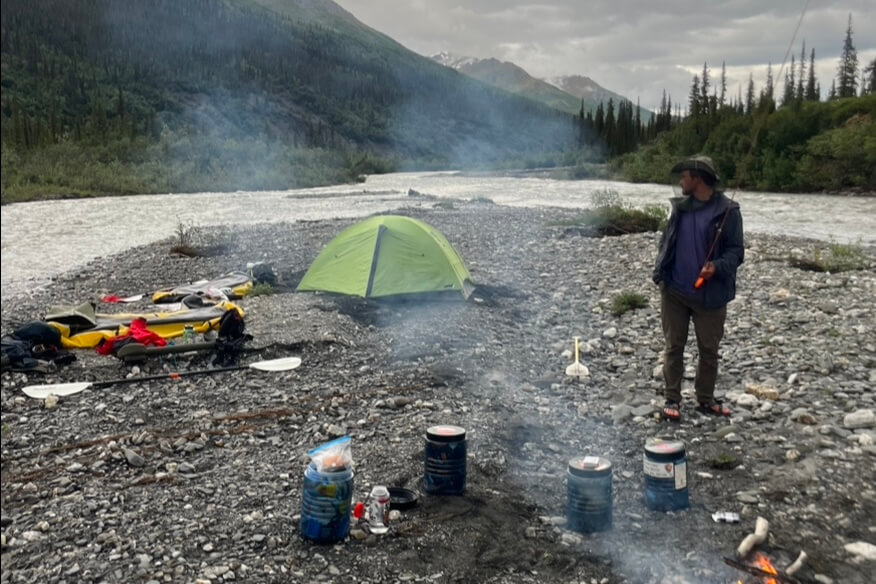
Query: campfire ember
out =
(763, 562)
(763, 569)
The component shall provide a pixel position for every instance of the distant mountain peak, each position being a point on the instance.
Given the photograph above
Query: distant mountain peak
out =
(454, 61)
(582, 82)
(584, 88)
(567, 93)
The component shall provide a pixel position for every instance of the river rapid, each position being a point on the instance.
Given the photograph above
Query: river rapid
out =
(43, 239)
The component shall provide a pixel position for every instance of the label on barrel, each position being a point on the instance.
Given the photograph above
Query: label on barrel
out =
(680, 476)
(659, 470)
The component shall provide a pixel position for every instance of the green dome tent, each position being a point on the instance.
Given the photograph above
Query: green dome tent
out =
(387, 255)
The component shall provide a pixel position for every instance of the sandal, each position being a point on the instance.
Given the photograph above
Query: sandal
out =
(671, 411)
(715, 408)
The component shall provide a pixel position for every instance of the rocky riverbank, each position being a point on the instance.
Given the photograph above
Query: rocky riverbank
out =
(199, 480)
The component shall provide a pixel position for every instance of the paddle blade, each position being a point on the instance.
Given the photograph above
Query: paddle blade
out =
(577, 370)
(284, 364)
(59, 389)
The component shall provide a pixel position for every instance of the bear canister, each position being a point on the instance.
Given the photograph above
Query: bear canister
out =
(445, 460)
(588, 486)
(325, 504)
(665, 466)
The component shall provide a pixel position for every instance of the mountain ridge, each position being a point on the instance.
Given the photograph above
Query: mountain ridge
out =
(567, 93)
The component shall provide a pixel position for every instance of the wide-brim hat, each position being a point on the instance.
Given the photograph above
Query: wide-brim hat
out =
(699, 163)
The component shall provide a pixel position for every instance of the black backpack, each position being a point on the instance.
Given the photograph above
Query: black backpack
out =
(35, 346)
(263, 274)
(230, 338)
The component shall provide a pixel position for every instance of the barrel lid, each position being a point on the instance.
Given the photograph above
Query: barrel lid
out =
(664, 446)
(589, 465)
(402, 498)
(445, 433)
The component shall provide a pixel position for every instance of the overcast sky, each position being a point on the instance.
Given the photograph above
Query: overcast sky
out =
(635, 48)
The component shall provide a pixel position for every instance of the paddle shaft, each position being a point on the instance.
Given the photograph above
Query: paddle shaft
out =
(138, 352)
(173, 375)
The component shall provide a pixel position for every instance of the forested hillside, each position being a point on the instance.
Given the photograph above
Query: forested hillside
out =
(112, 96)
(789, 142)
(805, 146)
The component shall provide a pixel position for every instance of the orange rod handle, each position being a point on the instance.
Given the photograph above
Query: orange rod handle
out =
(699, 283)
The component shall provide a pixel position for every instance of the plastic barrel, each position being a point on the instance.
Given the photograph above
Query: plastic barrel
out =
(445, 459)
(588, 485)
(665, 466)
(325, 504)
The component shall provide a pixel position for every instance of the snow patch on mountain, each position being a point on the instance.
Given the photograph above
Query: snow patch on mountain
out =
(454, 61)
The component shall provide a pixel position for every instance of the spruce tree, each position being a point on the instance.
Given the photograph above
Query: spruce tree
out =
(769, 91)
(599, 122)
(749, 94)
(662, 115)
(870, 77)
(694, 100)
(608, 131)
(638, 128)
(788, 94)
(847, 74)
(811, 93)
(704, 90)
(723, 82)
(801, 77)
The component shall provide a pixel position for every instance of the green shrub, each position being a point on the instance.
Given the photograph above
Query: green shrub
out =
(838, 258)
(626, 301)
(724, 461)
(263, 289)
(611, 215)
(185, 233)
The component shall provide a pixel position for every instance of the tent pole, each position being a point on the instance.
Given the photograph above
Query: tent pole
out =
(380, 231)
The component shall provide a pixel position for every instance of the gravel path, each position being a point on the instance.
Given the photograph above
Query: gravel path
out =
(199, 480)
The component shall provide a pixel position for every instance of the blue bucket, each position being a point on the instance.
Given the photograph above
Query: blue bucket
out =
(325, 504)
(444, 460)
(665, 466)
(588, 486)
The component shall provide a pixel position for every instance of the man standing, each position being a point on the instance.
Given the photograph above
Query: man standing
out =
(696, 270)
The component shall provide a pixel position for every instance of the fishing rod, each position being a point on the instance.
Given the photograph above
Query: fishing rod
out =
(745, 161)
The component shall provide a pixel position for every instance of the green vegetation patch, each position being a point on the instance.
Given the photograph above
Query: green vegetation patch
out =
(611, 215)
(724, 461)
(837, 258)
(627, 301)
(262, 290)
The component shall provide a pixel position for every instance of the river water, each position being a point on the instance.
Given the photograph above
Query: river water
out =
(45, 238)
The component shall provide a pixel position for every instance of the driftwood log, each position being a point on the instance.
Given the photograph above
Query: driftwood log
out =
(761, 529)
(797, 564)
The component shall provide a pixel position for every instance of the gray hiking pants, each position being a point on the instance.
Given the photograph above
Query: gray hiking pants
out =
(676, 312)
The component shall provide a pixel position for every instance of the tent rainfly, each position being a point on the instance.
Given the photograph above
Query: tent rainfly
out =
(388, 255)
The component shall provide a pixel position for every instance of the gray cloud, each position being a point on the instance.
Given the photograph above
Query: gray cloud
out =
(632, 47)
